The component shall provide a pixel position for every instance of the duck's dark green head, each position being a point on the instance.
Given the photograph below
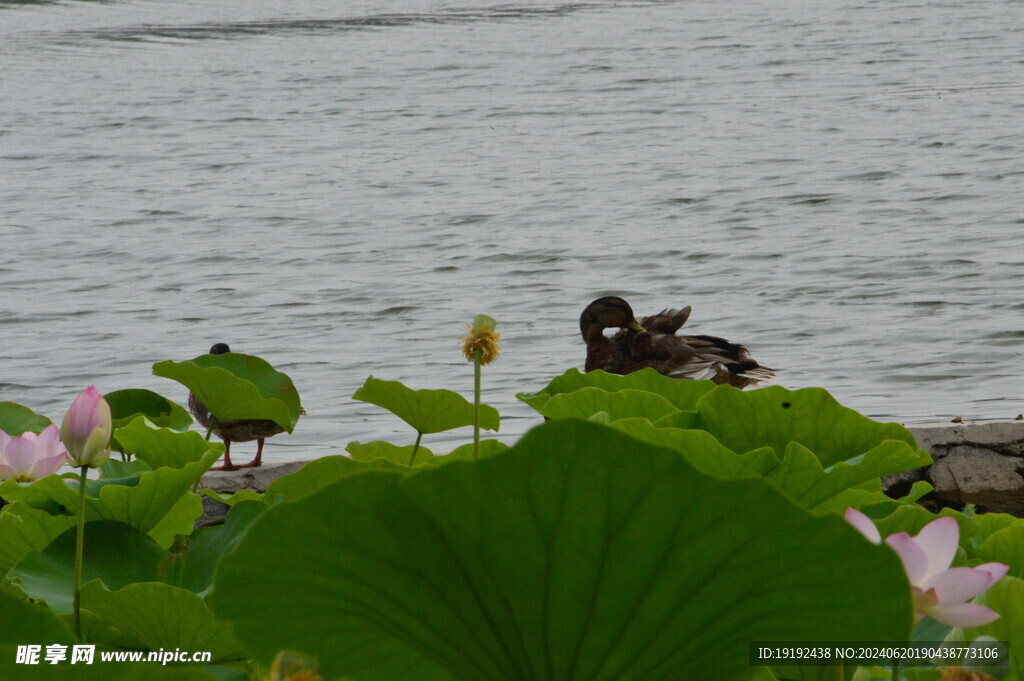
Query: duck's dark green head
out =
(219, 349)
(607, 313)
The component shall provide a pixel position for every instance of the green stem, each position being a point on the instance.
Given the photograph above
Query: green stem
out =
(895, 670)
(415, 447)
(79, 553)
(476, 402)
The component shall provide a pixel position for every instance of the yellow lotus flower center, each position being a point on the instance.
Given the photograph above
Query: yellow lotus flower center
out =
(484, 340)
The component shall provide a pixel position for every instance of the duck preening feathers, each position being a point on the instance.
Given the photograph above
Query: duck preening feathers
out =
(652, 342)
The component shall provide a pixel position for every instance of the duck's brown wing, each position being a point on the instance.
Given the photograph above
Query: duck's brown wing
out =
(662, 352)
(666, 321)
(689, 357)
(725, 362)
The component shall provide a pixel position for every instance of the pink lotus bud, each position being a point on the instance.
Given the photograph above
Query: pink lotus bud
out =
(28, 456)
(87, 428)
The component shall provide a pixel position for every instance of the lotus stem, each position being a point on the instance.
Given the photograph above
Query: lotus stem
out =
(213, 422)
(895, 670)
(415, 447)
(79, 554)
(477, 354)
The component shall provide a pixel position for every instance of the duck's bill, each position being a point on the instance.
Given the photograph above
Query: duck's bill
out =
(635, 325)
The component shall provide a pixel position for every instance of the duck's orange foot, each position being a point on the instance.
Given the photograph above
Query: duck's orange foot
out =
(251, 464)
(225, 467)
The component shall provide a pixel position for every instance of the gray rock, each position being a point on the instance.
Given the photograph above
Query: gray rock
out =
(229, 482)
(975, 463)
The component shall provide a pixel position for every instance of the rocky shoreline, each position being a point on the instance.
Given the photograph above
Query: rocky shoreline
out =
(978, 463)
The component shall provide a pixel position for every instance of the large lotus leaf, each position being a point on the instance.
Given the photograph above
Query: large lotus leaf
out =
(160, 447)
(911, 519)
(163, 616)
(701, 449)
(114, 469)
(1007, 598)
(321, 472)
(126, 405)
(115, 553)
(25, 623)
(408, 455)
(990, 523)
(1005, 546)
(581, 553)
(15, 419)
(622, 404)
(682, 394)
(775, 416)
(151, 502)
(466, 452)
(192, 567)
(180, 519)
(685, 420)
(802, 477)
(25, 529)
(427, 411)
(235, 386)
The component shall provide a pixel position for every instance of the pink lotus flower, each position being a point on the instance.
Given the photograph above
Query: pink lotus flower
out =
(87, 428)
(938, 590)
(28, 456)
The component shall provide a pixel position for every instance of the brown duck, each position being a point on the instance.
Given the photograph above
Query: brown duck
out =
(233, 431)
(652, 342)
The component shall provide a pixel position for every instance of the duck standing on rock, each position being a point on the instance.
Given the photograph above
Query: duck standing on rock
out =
(652, 342)
(233, 431)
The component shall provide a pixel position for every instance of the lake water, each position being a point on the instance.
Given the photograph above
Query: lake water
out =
(338, 186)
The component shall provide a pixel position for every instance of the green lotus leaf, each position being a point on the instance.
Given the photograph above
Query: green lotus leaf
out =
(159, 447)
(235, 386)
(1005, 546)
(990, 523)
(15, 419)
(581, 553)
(911, 519)
(622, 404)
(115, 553)
(163, 616)
(126, 405)
(686, 420)
(409, 455)
(1007, 598)
(775, 416)
(427, 411)
(465, 452)
(701, 449)
(25, 529)
(321, 472)
(801, 476)
(191, 566)
(158, 502)
(917, 490)
(179, 520)
(683, 394)
(114, 469)
(22, 622)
